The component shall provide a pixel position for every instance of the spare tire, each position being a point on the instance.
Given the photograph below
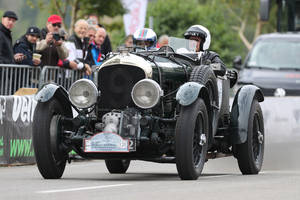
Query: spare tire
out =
(204, 74)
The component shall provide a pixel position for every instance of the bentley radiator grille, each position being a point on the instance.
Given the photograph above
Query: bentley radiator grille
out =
(116, 83)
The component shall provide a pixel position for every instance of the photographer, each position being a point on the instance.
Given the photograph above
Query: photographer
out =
(52, 47)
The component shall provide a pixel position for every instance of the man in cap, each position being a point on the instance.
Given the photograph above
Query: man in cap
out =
(26, 45)
(52, 46)
(6, 50)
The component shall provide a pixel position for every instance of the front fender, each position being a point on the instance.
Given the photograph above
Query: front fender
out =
(189, 92)
(46, 93)
(240, 111)
(50, 91)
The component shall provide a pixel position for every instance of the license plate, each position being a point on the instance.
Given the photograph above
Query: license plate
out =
(109, 142)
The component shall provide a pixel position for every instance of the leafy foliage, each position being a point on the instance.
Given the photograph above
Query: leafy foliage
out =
(72, 10)
(101, 7)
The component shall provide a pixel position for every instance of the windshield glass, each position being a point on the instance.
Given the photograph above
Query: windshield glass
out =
(181, 45)
(275, 53)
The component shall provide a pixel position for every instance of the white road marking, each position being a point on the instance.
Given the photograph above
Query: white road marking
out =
(82, 188)
(215, 176)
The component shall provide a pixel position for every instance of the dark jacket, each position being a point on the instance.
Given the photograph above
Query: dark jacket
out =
(106, 46)
(209, 57)
(50, 53)
(84, 47)
(23, 46)
(6, 49)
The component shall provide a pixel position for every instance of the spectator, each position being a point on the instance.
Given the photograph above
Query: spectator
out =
(26, 45)
(97, 53)
(106, 46)
(52, 47)
(128, 41)
(78, 46)
(163, 41)
(91, 33)
(6, 50)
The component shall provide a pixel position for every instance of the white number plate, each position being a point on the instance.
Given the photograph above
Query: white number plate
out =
(108, 142)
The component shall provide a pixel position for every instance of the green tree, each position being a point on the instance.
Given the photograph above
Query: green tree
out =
(246, 21)
(71, 10)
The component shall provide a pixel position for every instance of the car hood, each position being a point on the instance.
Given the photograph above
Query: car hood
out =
(270, 79)
(129, 60)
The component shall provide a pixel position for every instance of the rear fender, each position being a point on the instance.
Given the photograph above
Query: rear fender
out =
(240, 111)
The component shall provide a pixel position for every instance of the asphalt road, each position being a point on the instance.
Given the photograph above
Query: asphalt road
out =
(221, 179)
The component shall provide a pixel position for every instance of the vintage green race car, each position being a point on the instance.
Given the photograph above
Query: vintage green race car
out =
(156, 105)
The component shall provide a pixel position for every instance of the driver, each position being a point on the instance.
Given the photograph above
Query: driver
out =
(145, 38)
(202, 36)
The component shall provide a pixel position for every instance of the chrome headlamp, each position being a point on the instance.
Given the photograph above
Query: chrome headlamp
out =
(146, 93)
(83, 93)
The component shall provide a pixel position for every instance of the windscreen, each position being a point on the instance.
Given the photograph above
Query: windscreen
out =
(181, 45)
(275, 53)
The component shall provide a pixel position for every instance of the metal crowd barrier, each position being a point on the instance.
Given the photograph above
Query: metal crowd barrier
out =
(60, 76)
(13, 77)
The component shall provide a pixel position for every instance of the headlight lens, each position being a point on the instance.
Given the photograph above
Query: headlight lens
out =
(146, 93)
(83, 93)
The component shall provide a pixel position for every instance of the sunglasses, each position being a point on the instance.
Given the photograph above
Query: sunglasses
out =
(57, 24)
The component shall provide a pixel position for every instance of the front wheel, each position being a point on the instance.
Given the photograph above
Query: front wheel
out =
(250, 154)
(47, 138)
(117, 166)
(191, 140)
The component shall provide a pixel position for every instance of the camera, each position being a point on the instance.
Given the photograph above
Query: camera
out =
(56, 36)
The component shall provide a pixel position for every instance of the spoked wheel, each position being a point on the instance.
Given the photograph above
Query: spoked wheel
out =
(117, 166)
(191, 140)
(47, 139)
(250, 154)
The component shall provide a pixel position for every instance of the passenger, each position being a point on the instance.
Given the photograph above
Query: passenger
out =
(145, 38)
(51, 45)
(128, 41)
(26, 45)
(6, 49)
(163, 41)
(202, 36)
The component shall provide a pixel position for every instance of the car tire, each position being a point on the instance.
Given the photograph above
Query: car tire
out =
(117, 166)
(204, 74)
(192, 128)
(250, 154)
(51, 161)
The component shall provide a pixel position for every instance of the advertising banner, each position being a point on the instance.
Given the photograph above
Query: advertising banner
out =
(135, 16)
(16, 116)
